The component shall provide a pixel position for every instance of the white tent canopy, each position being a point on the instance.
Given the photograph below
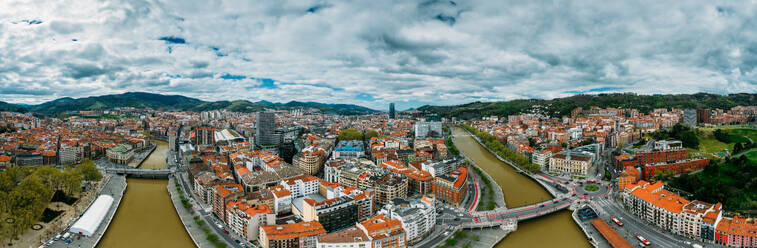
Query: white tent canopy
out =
(91, 219)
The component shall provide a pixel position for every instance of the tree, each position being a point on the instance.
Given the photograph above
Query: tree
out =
(89, 170)
(370, 134)
(71, 182)
(350, 134)
(689, 139)
(721, 135)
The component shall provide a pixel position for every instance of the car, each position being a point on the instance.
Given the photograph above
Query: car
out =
(226, 232)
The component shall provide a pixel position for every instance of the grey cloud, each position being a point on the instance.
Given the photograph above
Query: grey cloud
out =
(426, 51)
(85, 70)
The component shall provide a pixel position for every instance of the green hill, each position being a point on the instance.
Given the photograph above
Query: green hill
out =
(563, 106)
(181, 103)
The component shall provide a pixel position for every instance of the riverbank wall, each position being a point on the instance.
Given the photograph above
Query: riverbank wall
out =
(591, 239)
(499, 195)
(521, 171)
(120, 185)
(186, 217)
(144, 155)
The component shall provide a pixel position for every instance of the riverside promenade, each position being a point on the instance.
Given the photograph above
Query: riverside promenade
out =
(187, 217)
(115, 187)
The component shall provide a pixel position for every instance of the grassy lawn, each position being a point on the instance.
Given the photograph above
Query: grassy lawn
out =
(709, 145)
(591, 188)
(752, 156)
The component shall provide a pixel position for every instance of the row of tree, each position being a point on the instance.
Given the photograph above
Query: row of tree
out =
(352, 134)
(500, 149)
(26, 191)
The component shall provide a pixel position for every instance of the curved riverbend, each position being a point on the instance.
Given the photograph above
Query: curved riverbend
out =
(554, 230)
(146, 216)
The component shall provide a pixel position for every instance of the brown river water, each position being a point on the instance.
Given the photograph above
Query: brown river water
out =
(146, 216)
(554, 230)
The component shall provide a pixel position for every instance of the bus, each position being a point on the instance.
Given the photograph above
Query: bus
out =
(643, 240)
(617, 221)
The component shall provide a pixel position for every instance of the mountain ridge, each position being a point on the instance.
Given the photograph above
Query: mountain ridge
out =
(174, 103)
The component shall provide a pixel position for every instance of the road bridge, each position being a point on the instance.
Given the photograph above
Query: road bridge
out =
(141, 173)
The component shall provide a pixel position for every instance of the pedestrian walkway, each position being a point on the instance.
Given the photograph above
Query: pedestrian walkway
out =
(187, 218)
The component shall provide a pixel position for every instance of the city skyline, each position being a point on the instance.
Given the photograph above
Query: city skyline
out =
(417, 53)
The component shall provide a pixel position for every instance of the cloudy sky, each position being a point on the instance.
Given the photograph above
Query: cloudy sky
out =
(374, 52)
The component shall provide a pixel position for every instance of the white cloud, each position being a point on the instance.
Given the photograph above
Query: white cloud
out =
(437, 52)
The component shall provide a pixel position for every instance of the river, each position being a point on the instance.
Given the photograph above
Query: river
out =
(554, 230)
(146, 216)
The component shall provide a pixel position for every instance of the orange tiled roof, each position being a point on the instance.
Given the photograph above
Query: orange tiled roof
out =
(288, 231)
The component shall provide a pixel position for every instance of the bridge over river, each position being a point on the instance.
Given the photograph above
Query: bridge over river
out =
(142, 173)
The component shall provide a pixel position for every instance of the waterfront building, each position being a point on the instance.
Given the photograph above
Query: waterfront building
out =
(452, 187)
(222, 194)
(417, 216)
(120, 154)
(296, 235)
(541, 158)
(245, 218)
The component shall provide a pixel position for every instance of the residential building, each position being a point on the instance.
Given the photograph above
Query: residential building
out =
(736, 232)
(351, 237)
(297, 235)
(222, 194)
(310, 159)
(675, 167)
(384, 232)
(245, 219)
(390, 186)
(417, 216)
(452, 187)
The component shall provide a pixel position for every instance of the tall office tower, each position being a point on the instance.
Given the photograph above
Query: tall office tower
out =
(391, 111)
(265, 131)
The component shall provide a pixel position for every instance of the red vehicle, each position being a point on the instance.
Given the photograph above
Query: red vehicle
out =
(226, 232)
(643, 240)
(617, 221)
